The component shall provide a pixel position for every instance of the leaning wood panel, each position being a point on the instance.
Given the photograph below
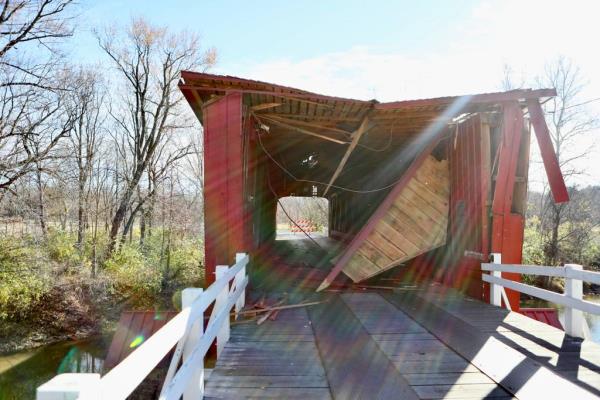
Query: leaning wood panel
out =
(415, 224)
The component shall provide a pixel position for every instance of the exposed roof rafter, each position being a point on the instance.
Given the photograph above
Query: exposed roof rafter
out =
(365, 125)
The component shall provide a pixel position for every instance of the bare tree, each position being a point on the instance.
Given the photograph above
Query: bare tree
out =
(149, 60)
(164, 161)
(85, 138)
(567, 122)
(31, 84)
(509, 80)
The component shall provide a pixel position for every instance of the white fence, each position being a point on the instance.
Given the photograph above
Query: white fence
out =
(185, 332)
(571, 299)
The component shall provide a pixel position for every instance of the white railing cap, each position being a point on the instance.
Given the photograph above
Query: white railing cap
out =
(70, 386)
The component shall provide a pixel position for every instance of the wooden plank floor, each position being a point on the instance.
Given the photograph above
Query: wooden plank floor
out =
(356, 366)
(370, 345)
(433, 369)
(576, 359)
(278, 359)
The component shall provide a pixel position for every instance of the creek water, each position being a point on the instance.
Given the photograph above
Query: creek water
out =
(21, 373)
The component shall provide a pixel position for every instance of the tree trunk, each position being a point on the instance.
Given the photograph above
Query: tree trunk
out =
(551, 253)
(41, 207)
(122, 209)
(556, 218)
(116, 224)
(142, 227)
(81, 216)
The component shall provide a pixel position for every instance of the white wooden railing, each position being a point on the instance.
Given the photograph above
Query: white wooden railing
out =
(185, 332)
(571, 299)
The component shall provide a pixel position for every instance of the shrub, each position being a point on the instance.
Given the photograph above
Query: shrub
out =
(22, 285)
(132, 276)
(60, 246)
(533, 243)
(187, 264)
(183, 267)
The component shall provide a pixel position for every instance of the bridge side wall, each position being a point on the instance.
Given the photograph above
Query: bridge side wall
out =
(224, 213)
(489, 156)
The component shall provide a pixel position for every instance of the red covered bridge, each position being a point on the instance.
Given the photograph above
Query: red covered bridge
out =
(406, 297)
(258, 136)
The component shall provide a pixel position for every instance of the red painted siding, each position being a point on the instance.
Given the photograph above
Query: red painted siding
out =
(469, 156)
(546, 315)
(223, 183)
(507, 227)
(135, 327)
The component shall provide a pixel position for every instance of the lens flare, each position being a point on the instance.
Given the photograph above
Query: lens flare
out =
(137, 341)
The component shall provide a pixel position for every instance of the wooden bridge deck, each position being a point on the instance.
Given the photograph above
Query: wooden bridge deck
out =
(413, 344)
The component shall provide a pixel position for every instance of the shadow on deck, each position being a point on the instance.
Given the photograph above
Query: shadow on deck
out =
(417, 344)
(411, 343)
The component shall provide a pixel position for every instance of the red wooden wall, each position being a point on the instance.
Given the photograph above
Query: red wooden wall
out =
(487, 215)
(508, 211)
(223, 183)
(470, 179)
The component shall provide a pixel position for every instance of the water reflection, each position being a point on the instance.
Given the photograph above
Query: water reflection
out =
(22, 373)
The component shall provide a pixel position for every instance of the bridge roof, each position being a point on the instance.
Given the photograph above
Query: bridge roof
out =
(302, 123)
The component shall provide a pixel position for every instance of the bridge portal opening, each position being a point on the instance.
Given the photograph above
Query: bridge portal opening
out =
(298, 217)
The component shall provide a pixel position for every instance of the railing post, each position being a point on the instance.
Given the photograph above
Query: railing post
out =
(195, 388)
(70, 387)
(220, 302)
(239, 304)
(574, 289)
(496, 290)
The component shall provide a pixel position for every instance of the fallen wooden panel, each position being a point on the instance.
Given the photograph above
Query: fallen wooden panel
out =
(135, 327)
(415, 223)
(546, 315)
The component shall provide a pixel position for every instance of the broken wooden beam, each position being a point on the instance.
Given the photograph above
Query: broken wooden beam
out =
(299, 130)
(365, 125)
(551, 165)
(278, 308)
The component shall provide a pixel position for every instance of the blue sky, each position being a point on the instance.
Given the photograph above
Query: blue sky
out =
(389, 50)
(259, 30)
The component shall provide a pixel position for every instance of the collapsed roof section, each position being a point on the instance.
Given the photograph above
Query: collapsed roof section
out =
(347, 138)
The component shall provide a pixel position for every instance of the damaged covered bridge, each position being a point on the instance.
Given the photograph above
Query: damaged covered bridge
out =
(434, 185)
(414, 294)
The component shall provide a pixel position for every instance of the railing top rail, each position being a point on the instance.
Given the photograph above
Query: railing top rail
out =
(544, 294)
(210, 294)
(544, 270)
(127, 375)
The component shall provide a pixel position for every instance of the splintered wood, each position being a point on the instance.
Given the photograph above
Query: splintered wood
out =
(415, 224)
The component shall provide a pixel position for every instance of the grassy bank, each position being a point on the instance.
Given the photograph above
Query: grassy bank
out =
(51, 290)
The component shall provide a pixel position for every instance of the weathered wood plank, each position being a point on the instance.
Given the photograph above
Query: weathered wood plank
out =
(447, 378)
(266, 393)
(358, 267)
(471, 391)
(356, 367)
(402, 336)
(279, 381)
(278, 359)
(519, 375)
(393, 236)
(373, 252)
(434, 370)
